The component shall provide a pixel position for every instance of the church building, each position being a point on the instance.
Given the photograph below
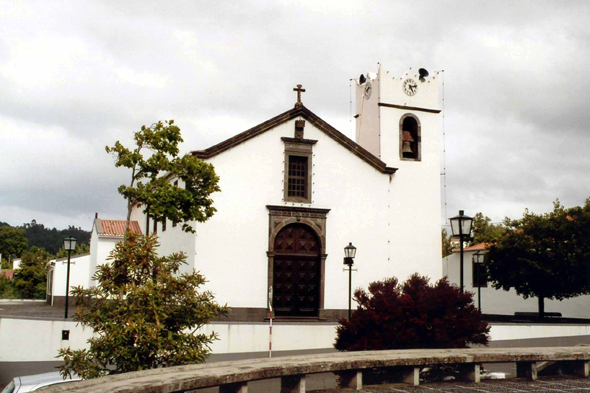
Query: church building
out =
(296, 191)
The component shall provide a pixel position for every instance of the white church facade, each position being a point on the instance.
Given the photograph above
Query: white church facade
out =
(295, 192)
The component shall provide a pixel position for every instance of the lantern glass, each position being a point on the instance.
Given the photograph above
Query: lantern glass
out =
(461, 225)
(349, 251)
(69, 243)
(478, 257)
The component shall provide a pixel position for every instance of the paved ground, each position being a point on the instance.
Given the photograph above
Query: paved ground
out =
(36, 309)
(547, 384)
(325, 383)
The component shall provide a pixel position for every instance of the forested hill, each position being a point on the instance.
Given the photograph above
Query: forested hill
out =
(51, 239)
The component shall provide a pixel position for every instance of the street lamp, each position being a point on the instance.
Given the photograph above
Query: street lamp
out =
(478, 259)
(349, 254)
(69, 246)
(461, 228)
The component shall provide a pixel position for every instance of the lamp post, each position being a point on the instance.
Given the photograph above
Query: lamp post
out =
(349, 254)
(461, 228)
(478, 259)
(69, 246)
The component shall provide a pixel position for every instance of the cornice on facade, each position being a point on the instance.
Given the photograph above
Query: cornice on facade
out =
(298, 111)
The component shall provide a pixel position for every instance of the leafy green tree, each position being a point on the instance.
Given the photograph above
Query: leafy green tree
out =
(13, 241)
(484, 231)
(544, 255)
(8, 289)
(152, 177)
(414, 314)
(31, 277)
(143, 313)
(6, 265)
(447, 246)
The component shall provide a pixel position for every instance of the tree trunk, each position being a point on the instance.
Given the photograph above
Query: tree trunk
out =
(541, 307)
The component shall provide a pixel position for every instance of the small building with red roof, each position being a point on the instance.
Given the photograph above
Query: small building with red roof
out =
(105, 234)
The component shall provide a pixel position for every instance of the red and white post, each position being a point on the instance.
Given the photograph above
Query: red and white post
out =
(270, 323)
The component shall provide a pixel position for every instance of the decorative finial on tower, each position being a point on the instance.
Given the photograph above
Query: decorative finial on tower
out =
(299, 90)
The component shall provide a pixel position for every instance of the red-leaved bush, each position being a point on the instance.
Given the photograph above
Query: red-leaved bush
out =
(414, 314)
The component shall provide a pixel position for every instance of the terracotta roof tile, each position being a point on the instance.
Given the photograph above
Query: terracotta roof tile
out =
(476, 247)
(117, 227)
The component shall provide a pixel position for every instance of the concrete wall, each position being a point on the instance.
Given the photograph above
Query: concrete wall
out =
(498, 301)
(30, 346)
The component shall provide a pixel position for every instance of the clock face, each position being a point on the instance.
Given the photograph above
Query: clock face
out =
(410, 87)
(368, 90)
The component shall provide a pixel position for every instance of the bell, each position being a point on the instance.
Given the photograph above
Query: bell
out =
(406, 148)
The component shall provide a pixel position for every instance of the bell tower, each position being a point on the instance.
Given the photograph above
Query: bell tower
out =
(400, 106)
(399, 120)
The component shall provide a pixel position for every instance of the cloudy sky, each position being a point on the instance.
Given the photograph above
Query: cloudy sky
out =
(77, 76)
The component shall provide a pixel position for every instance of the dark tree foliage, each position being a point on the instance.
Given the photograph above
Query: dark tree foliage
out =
(447, 246)
(52, 239)
(545, 256)
(7, 288)
(31, 278)
(414, 314)
(484, 231)
(13, 241)
(143, 312)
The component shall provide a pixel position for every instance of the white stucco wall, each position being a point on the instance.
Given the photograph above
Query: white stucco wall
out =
(79, 273)
(414, 193)
(100, 253)
(495, 301)
(231, 247)
(367, 121)
(393, 220)
(94, 240)
(43, 338)
(500, 332)
(26, 340)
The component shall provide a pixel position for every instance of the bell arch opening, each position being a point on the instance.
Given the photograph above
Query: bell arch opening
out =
(410, 141)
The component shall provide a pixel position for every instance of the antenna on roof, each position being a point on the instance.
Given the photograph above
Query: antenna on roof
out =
(423, 74)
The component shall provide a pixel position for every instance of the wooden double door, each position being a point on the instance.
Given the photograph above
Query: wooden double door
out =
(296, 272)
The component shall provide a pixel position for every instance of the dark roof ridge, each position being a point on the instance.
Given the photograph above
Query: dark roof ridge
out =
(298, 110)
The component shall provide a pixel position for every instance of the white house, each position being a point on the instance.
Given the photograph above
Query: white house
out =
(498, 301)
(104, 235)
(16, 263)
(57, 276)
(295, 192)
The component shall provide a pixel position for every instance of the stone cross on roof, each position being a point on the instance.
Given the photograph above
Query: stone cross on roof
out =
(299, 90)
